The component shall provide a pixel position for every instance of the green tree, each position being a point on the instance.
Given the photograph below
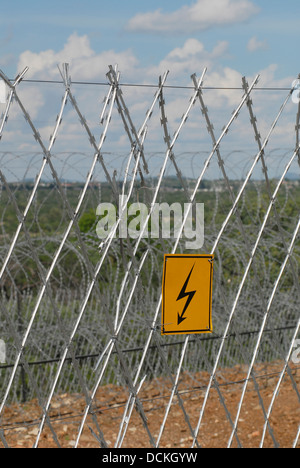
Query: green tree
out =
(88, 221)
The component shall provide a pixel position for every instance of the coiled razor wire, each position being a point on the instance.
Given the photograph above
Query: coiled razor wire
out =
(78, 312)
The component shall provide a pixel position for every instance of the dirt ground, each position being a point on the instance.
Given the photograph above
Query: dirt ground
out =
(20, 422)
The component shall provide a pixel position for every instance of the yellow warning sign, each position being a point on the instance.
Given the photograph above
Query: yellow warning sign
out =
(187, 294)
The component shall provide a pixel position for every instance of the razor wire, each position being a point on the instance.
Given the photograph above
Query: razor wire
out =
(251, 257)
(175, 246)
(133, 258)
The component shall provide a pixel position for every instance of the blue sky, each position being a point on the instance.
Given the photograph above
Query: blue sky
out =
(258, 34)
(232, 38)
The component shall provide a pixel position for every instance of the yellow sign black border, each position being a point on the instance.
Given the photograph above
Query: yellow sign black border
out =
(210, 257)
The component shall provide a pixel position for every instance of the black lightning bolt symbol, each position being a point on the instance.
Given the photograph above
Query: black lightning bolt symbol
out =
(183, 293)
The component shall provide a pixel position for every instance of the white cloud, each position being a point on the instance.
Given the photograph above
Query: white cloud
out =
(192, 57)
(194, 48)
(44, 62)
(84, 62)
(199, 16)
(254, 44)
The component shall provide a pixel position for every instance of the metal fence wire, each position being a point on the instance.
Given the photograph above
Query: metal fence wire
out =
(83, 361)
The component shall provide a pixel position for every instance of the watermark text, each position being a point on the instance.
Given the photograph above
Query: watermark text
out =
(160, 221)
(296, 91)
(296, 352)
(2, 352)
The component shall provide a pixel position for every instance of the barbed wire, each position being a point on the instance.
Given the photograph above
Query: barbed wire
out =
(67, 298)
(154, 86)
